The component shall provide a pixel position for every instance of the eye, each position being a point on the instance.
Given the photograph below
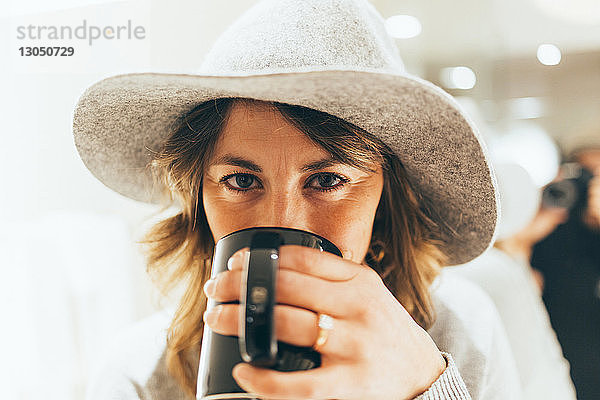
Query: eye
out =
(239, 182)
(326, 181)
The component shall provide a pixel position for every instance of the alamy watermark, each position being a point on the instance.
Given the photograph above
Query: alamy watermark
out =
(84, 31)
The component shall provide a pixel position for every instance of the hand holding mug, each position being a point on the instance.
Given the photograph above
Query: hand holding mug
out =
(374, 350)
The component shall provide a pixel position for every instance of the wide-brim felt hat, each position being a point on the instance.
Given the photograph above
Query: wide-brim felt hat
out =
(333, 56)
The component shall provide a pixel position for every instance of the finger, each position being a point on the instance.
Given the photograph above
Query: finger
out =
(309, 261)
(318, 383)
(547, 220)
(225, 286)
(594, 185)
(293, 325)
(236, 261)
(338, 299)
(318, 263)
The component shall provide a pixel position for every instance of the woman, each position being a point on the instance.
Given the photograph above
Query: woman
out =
(337, 140)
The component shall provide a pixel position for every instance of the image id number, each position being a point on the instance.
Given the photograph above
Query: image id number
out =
(47, 51)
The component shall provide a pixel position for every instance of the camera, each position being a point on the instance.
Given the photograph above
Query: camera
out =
(571, 191)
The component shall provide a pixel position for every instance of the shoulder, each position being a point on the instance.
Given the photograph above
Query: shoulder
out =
(468, 326)
(466, 318)
(461, 304)
(495, 272)
(133, 365)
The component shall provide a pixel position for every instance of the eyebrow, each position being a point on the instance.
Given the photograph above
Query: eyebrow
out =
(229, 159)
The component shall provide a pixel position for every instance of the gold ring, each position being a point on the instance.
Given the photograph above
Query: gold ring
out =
(324, 325)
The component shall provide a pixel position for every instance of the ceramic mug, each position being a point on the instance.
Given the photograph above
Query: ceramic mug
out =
(256, 342)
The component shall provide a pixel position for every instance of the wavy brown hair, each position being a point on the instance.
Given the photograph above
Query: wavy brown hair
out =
(403, 249)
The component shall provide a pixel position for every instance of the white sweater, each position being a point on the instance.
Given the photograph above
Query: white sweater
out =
(467, 327)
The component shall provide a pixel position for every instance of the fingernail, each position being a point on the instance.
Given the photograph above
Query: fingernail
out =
(210, 287)
(230, 262)
(211, 316)
(347, 254)
(241, 373)
(236, 258)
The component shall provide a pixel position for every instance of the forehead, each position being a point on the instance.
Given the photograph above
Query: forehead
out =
(258, 124)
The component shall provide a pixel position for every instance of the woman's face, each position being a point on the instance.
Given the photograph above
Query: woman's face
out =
(265, 172)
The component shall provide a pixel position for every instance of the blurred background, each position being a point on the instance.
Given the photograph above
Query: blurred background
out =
(527, 71)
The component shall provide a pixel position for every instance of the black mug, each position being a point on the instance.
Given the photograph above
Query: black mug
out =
(257, 343)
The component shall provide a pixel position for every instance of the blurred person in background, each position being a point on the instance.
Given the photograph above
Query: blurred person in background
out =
(569, 259)
(505, 274)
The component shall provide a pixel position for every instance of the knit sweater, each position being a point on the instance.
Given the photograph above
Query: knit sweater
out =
(467, 330)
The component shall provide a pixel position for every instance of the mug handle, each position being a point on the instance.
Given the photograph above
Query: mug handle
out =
(257, 341)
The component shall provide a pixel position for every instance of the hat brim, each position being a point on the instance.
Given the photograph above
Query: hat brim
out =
(119, 122)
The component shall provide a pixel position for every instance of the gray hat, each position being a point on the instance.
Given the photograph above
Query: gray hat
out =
(329, 55)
